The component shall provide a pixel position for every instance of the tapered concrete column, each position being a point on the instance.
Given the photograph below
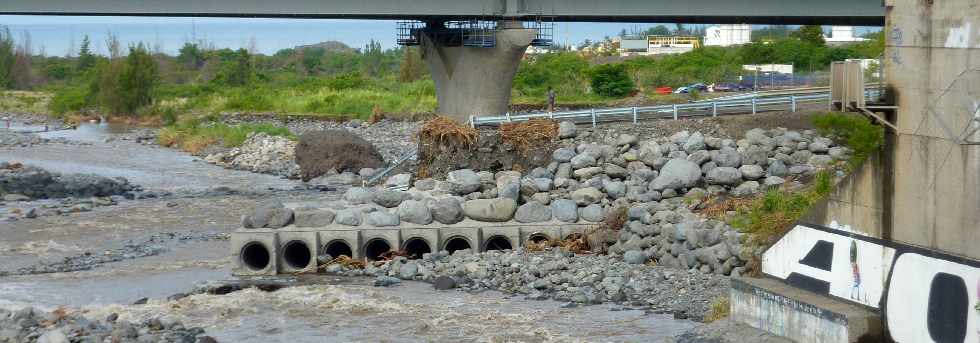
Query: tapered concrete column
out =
(472, 80)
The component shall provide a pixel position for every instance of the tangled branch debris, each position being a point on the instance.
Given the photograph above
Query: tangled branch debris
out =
(718, 206)
(345, 261)
(576, 243)
(528, 134)
(444, 130)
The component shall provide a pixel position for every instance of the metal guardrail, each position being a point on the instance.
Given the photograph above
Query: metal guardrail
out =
(675, 111)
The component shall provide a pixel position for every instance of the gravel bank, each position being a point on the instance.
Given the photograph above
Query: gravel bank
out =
(559, 275)
(392, 138)
(62, 326)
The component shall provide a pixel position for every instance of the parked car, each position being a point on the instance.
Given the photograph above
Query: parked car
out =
(698, 86)
(727, 87)
(664, 90)
(682, 90)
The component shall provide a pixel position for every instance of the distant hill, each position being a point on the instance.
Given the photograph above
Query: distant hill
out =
(328, 47)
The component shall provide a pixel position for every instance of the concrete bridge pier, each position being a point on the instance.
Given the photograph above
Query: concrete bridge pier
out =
(475, 80)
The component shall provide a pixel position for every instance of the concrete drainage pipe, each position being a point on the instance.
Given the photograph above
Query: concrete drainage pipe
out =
(255, 256)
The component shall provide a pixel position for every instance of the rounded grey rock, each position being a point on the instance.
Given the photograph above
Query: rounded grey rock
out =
(349, 217)
(490, 210)
(751, 172)
(564, 210)
(634, 257)
(390, 198)
(447, 211)
(723, 176)
(533, 212)
(415, 212)
(593, 213)
(382, 218)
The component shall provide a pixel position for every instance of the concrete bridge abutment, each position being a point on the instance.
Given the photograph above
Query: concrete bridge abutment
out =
(475, 81)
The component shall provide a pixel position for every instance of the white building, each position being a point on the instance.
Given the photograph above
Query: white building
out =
(728, 35)
(841, 35)
(769, 68)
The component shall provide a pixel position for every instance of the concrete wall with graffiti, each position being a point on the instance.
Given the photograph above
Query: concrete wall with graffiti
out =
(924, 295)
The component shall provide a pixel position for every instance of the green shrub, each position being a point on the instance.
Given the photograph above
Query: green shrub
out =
(855, 131)
(611, 80)
(236, 68)
(69, 99)
(240, 99)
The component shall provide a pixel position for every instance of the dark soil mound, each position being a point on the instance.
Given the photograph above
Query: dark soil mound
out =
(321, 151)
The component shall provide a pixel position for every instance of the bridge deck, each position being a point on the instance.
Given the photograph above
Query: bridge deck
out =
(842, 12)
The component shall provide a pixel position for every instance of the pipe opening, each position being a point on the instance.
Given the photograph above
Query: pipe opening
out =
(337, 249)
(255, 256)
(456, 243)
(416, 246)
(498, 243)
(538, 238)
(374, 248)
(297, 254)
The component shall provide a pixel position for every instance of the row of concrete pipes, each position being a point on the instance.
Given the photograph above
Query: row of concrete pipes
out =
(295, 250)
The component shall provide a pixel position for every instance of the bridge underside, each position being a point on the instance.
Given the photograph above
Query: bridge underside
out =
(828, 12)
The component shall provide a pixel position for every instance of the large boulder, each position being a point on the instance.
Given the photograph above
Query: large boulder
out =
(723, 176)
(592, 213)
(563, 155)
(751, 171)
(694, 143)
(319, 152)
(313, 217)
(746, 188)
(390, 198)
(463, 181)
(727, 157)
(677, 173)
(349, 217)
(446, 211)
(415, 212)
(490, 210)
(359, 195)
(583, 160)
(382, 218)
(587, 196)
(270, 215)
(634, 257)
(533, 212)
(566, 129)
(565, 210)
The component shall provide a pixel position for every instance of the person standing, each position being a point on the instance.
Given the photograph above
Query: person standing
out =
(551, 99)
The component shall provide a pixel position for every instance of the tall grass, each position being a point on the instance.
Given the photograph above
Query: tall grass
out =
(720, 309)
(195, 135)
(770, 215)
(24, 101)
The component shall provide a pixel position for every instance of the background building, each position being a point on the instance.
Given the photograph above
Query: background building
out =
(841, 35)
(728, 35)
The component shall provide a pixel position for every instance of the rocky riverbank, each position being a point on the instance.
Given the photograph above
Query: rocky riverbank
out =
(392, 138)
(261, 153)
(658, 184)
(22, 185)
(63, 326)
(559, 275)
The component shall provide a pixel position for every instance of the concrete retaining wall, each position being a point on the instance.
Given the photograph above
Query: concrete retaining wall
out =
(804, 317)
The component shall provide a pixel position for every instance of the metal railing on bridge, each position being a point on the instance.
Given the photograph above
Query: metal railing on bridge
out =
(752, 103)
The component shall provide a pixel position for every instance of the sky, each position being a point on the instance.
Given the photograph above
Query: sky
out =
(61, 35)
